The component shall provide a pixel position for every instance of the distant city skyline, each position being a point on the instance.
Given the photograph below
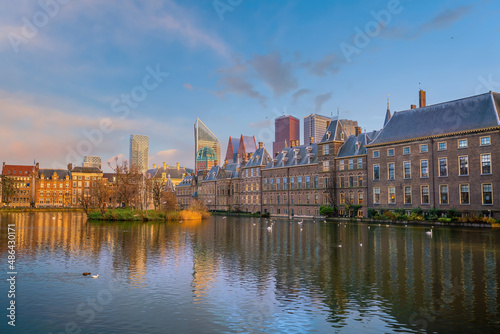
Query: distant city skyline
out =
(97, 88)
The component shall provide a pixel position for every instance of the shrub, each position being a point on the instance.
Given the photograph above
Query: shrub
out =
(266, 215)
(326, 210)
(433, 214)
(417, 211)
(453, 213)
(388, 215)
(444, 220)
(371, 213)
(400, 211)
(95, 215)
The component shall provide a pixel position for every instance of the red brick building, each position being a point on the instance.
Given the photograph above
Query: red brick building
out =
(286, 129)
(24, 185)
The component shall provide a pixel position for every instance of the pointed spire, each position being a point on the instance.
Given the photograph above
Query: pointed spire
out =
(388, 113)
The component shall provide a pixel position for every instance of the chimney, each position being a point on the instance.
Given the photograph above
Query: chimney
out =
(165, 165)
(261, 144)
(413, 106)
(178, 165)
(154, 166)
(358, 130)
(421, 98)
(70, 166)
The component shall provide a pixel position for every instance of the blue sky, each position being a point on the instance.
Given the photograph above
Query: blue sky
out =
(67, 69)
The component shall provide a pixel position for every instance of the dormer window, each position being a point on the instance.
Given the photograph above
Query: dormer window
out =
(328, 134)
(342, 136)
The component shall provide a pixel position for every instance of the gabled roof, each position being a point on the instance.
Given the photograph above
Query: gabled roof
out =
(471, 113)
(295, 156)
(333, 131)
(18, 169)
(48, 173)
(247, 145)
(259, 157)
(355, 145)
(232, 149)
(86, 170)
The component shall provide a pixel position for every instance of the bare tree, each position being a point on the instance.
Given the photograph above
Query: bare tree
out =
(85, 202)
(169, 201)
(101, 195)
(127, 190)
(7, 185)
(156, 189)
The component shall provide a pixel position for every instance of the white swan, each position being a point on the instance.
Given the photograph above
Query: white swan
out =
(95, 276)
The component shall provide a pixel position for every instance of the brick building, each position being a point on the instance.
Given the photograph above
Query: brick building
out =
(23, 179)
(286, 129)
(53, 188)
(441, 156)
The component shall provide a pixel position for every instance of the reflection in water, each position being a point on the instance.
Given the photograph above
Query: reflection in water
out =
(234, 275)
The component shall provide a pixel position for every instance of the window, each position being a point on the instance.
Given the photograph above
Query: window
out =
(326, 166)
(407, 195)
(376, 195)
(360, 163)
(341, 165)
(326, 149)
(423, 148)
(376, 154)
(406, 150)
(407, 169)
(464, 194)
(360, 198)
(351, 181)
(316, 181)
(376, 172)
(300, 182)
(316, 199)
(443, 194)
(271, 184)
(278, 184)
(342, 198)
(425, 194)
(442, 146)
(308, 182)
(390, 152)
(325, 182)
(485, 141)
(486, 163)
(351, 164)
(443, 167)
(487, 194)
(360, 180)
(424, 168)
(462, 143)
(392, 195)
(390, 169)
(285, 185)
(351, 198)
(265, 184)
(463, 163)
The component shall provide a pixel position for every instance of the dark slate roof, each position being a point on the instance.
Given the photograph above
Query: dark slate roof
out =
(86, 170)
(259, 157)
(186, 182)
(47, 173)
(230, 171)
(212, 174)
(349, 148)
(471, 113)
(172, 171)
(387, 116)
(250, 145)
(295, 156)
(335, 128)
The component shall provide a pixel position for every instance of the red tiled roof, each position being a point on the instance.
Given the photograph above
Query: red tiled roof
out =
(17, 170)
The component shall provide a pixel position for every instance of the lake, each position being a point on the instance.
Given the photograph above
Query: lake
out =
(247, 275)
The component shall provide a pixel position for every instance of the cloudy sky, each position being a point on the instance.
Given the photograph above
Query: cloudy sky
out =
(78, 77)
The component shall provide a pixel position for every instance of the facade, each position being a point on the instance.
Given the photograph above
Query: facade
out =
(350, 127)
(286, 130)
(163, 173)
(139, 152)
(203, 137)
(441, 156)
(53, 188)
(186, 191)
(92, 161)
(83, 182)
(251, 181)
(315, 127)
(22, 193)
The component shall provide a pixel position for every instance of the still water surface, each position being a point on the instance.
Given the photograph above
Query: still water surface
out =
(235, 275)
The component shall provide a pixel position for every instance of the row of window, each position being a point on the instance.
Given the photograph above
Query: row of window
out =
(283, 200)
(298, 182)
(464, 193)
(351, 164)
(442, 146)
(251, 172)
(463, 167)
(351, 198)
(350, 181)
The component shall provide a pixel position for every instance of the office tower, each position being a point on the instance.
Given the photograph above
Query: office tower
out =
(139, 152)
(203, 137)
(92, 161)
(315, 127)
(350, 127)
(286, 129)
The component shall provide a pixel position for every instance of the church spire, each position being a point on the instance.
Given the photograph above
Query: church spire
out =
(388, 113)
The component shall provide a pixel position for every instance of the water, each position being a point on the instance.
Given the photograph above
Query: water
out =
(235, 276)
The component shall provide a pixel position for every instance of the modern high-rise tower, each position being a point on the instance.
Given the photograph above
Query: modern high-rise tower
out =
(315, 127)
(139, 152)
(286, 129)
(203, 137)
(92, 161)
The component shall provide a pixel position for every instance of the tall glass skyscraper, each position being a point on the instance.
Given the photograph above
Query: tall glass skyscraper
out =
(139, 152)
(315, 127)
(203, 137)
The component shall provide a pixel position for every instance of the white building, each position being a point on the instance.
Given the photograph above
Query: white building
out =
(139, 152)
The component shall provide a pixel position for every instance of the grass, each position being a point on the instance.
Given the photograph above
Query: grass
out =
(130, 214)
